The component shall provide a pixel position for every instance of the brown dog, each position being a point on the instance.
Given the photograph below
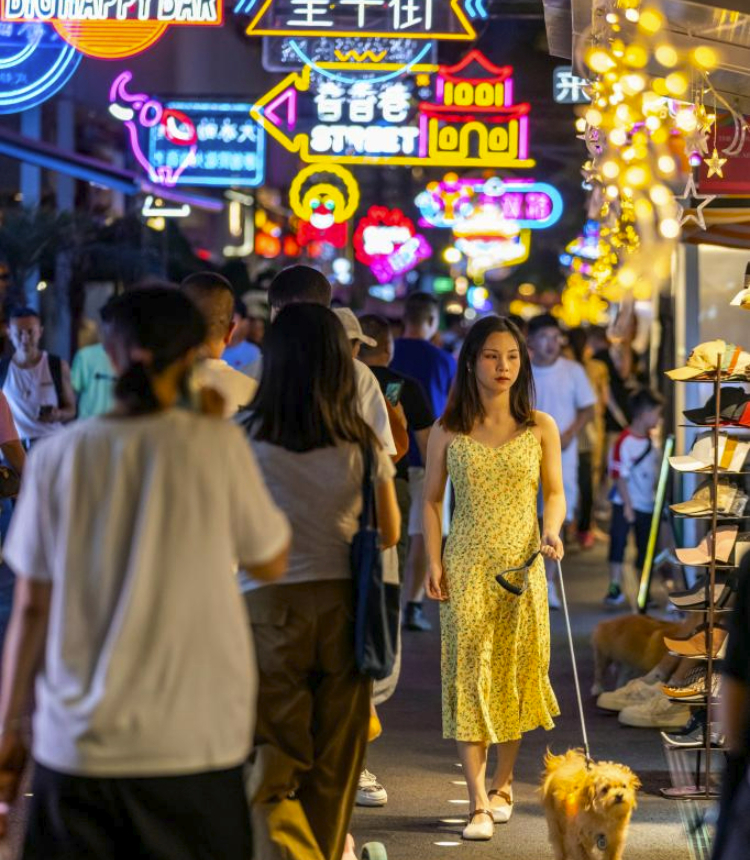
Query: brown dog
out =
(588, 809)
(635, 643)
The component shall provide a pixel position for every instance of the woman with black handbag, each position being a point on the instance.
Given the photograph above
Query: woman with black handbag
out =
(314, 702)
(494, 620)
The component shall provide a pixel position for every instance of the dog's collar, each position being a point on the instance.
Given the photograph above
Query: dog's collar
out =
(601, 842)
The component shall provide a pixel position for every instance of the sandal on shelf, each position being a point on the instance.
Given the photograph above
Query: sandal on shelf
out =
(482, 830)
(501, 814)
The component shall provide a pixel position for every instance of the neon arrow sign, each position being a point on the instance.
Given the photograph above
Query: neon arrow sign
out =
(472, 120)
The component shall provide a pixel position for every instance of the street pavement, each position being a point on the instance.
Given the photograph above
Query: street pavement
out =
(427, 803)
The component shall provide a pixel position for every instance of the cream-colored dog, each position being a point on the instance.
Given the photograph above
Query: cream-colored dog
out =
(588, 809)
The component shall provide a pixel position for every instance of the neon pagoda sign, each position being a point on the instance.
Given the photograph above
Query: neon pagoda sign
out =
(468, 120)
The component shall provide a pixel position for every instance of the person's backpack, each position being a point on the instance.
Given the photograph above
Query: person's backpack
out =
(55, 369)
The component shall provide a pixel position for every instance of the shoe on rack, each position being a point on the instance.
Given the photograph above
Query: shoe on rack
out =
(692, 736)
(369, 791)
(416, 619)
(553, 598)
(481, 826)
(501, 814)
(656, 713)
(692, 692)
(633, 693)
(696, 645)
(614, 596)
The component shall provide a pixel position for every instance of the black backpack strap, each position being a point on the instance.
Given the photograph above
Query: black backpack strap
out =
(4, 368)
(55, 369)
(368, 517)
(642, 457)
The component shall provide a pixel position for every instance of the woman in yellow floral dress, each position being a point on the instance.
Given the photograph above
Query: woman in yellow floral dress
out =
(495, 644)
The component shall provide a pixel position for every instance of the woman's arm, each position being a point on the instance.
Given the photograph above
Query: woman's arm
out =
(553, 491)
(436, 476)
(14, 455)
(389, 515)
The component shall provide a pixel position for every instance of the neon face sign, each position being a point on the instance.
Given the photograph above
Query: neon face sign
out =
(386, 241)
(113, 29)
(141, 113)
(324, 199)
(471, 120)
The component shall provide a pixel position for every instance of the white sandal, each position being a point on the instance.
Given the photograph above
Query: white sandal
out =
(501, 814)
(480, 831)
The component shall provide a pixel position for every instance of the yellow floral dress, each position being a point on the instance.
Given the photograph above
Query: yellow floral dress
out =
(495, 646)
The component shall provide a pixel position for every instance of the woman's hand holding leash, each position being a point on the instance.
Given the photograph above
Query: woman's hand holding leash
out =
(436, 585)
(552, 546)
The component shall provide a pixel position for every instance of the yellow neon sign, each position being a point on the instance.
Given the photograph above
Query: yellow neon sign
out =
(258, 28)
(344, 199)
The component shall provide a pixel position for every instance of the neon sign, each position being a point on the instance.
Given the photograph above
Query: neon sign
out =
(141, 113)
(359, 120)
(35, 63)
(112, 29)
(386, 241)
(569, 88)
(324, 199)
(393, 19)
(359, 53)
(484, 254)
(230, 146)
(476, 204)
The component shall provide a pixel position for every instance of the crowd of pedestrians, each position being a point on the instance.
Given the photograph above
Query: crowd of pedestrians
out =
(184, 596)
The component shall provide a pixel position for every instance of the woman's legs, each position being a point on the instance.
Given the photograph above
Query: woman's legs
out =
(507, 754)
(473, 757)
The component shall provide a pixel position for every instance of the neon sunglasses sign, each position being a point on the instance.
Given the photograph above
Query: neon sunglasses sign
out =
(140, 112)
(113, 29)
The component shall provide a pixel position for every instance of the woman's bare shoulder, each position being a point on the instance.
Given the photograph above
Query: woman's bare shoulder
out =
(440, 435)
(544, 424)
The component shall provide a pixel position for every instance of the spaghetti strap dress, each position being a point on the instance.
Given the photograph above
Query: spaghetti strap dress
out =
(495, 646)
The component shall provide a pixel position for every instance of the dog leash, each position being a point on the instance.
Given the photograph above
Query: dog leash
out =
(575, 666)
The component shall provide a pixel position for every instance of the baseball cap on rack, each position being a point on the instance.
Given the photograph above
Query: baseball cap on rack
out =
(733, 403)
(703, 360)
(731, 455)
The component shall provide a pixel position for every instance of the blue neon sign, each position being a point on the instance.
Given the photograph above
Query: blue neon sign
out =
(230, 145)
(35, 63)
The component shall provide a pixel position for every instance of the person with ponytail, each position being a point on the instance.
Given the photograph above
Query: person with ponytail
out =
(127, 532)
(497, 450)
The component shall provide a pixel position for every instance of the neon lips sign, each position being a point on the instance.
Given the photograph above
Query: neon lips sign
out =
(140, 113)
(386, 241)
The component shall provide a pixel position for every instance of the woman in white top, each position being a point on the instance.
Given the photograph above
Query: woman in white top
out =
(127, 532)
(313, 705)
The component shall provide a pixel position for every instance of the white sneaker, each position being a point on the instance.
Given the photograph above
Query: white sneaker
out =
(369, 791)
(553, 598)
(633, 693)
(480, 828)
(655, 713)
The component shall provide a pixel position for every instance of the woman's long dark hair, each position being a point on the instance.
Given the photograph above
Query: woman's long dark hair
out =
(464, 408)
(307, 397)
(158, 319)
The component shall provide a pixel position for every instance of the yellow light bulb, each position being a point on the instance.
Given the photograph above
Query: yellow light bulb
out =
(610, 169)
(624, 115)
(660, 194)
(666, 55)
(651, 20)
(636, 56)
(652, 122)
(632, 15)
(634, 83)
(618, 137)
(670, 228)
(594, 117)
(452, 255)
(660, 87)
(600, 61)
(666, 164)
(612, 192)
(627, 277)
(705, 57)
(636, 176)
(660, 135)
(580, 124)
(686, 120)
(677, 84)
(643, 209)
(629, 154)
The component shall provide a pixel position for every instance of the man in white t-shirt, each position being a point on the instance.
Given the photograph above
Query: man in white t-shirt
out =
(305, 284)
(213, 296)
(563, 391)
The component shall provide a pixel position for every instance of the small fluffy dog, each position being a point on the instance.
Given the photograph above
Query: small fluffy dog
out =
(588, 810)
(635, 643)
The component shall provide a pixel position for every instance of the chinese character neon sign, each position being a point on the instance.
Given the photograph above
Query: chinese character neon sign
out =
(569, 89)
(230, 146)
(386, 241)
(394, 19)
(112, 29)
(141, 113)
(359, 53)
(532, 205)
(471, 122)
(35, 63)
(324, 199)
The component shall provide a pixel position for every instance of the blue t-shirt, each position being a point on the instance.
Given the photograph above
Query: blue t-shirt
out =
(241, 354)
(433, 368)
(92, 377)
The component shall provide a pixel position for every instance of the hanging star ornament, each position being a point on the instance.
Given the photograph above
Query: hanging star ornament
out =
(697, 141)
(715, 164)
(685, 214)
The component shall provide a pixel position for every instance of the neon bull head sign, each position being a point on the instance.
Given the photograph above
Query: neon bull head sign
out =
(140, 112)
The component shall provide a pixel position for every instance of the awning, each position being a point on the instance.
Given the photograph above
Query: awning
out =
(50, 157)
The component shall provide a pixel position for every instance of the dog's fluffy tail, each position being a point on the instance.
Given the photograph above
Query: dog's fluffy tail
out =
(554, 762)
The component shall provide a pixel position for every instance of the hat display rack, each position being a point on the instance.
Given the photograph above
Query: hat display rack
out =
(702, 785)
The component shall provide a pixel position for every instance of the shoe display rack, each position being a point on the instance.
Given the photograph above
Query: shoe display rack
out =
(709, 599)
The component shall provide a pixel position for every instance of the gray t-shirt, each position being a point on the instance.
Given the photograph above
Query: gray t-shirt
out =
(320, 491)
